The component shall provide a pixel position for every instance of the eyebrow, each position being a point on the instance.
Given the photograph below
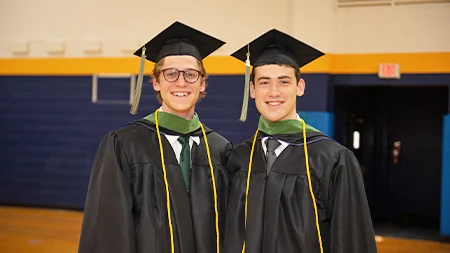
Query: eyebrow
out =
(186, 68)
(268, 78)
(263, 78)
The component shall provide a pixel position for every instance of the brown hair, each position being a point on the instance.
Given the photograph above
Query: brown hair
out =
(297, 72)
(157, 71)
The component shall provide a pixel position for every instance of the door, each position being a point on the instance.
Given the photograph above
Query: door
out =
(415, 124)
(406, 189)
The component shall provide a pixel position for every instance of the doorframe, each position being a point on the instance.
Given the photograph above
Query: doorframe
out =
(442, 79)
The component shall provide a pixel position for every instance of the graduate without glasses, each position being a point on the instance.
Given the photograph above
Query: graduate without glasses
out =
(158, 184)
(294, 190)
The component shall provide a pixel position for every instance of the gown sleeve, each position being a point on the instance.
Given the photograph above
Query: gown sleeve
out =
(108, 221)
(351, 229)
(234, 158)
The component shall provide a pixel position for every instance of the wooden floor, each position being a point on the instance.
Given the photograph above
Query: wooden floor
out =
(51, 231)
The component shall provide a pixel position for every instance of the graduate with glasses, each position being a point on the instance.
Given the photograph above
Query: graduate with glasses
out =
(294, 190)
(159, 184)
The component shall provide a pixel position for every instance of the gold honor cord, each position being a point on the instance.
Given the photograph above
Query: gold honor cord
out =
(309, 182)
(172, 245)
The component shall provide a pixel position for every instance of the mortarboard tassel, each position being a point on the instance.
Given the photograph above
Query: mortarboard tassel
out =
(138, 90)
(246, 88)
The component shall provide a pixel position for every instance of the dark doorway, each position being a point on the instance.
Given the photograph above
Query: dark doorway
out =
(407, 190)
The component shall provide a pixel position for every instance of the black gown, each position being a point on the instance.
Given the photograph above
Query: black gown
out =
(281, 217)
(125, 209)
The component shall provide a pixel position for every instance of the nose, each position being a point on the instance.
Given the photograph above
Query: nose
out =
(274, 92)
(181, 82)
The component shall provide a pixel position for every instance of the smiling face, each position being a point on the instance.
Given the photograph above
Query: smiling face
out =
(275, 90)
(177, 95)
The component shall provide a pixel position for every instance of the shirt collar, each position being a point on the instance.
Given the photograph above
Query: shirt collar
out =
(174, 138)
(283, 144)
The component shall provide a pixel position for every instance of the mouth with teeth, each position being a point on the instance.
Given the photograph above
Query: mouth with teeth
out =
(180, 94)
(274, 103)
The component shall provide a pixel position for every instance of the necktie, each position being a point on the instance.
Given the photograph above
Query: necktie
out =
(185, 159)
(271, 145)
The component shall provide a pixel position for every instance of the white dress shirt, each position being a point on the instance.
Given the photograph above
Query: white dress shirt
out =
(176, 145)
(283, 144)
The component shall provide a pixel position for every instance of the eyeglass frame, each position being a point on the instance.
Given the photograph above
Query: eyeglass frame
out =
(201, 74)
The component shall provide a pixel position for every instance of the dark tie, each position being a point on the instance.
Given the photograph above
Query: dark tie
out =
(271, 145)
(185, 159)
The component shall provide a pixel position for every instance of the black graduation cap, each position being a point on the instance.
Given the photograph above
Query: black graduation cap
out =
(180, 39)
(273, 47)
(177, 39)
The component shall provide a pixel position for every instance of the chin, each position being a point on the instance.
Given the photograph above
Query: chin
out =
(272, 117)
(278, 115)
(183, 107)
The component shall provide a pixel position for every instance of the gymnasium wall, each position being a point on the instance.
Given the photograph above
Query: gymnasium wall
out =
(122, 26)
(49, 50)
(116, 28)
(50, 131)
(415, 28)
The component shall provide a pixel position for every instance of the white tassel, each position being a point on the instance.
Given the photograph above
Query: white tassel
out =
(246, 88)
(138, 91)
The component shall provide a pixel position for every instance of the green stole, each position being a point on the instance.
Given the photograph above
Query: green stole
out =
(290, 126)
(182, 126)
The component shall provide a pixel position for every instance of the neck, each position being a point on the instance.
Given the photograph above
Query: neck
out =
(291, 116)
(189, 114)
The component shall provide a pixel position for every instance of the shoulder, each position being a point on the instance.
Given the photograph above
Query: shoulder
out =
(134, 127)
(129, 135)
(217, 138)
(240, 154)
(218, 144)
(324, 146)
(245, 146)
(327, 154)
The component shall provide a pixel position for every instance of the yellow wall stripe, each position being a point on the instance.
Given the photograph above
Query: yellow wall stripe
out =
(413, 63)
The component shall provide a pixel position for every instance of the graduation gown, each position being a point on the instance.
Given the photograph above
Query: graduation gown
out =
(281, 217)
(126, 208)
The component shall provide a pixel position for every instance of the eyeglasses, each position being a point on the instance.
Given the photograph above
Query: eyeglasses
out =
(189, 75)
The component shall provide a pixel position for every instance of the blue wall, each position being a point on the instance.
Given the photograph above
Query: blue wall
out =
(318, 96)
(315, 105)
(50, 130)
(445, 197)
(322, 121)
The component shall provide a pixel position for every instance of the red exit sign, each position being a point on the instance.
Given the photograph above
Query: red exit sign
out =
(389, 71)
